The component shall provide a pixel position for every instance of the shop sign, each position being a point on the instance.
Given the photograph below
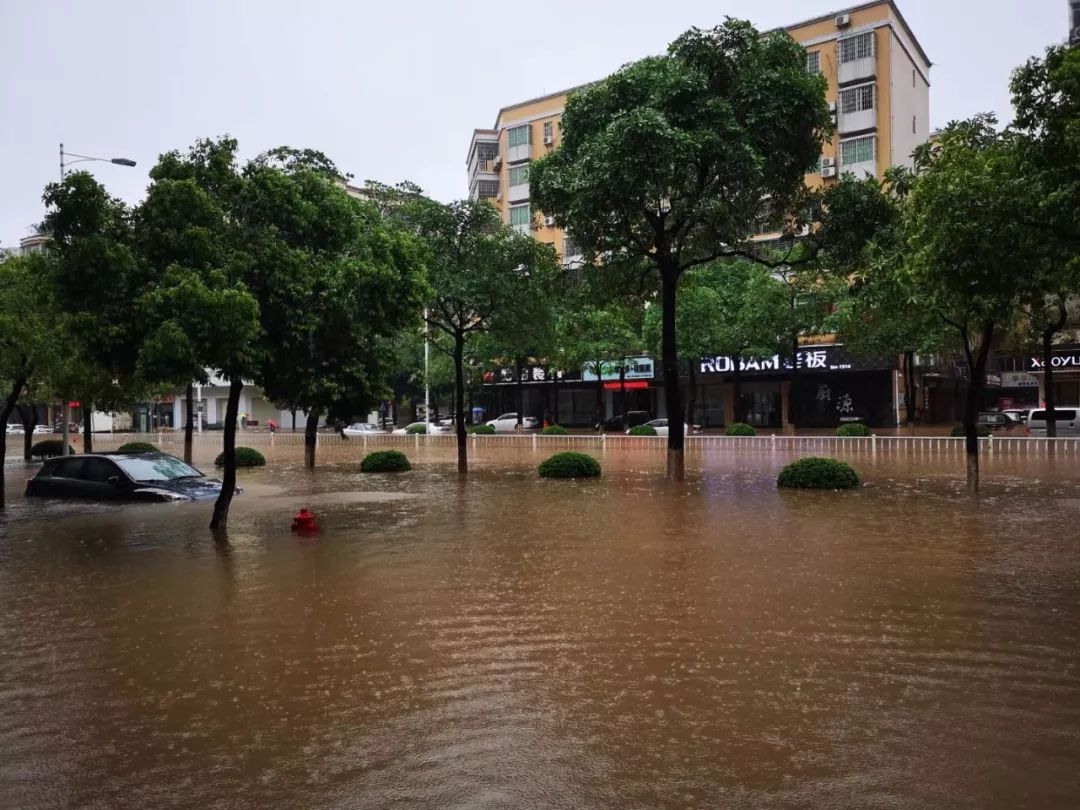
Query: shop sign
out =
(1064, 360)
(637, 368)
(1018, 379)
(630, 385)
(993, 381)
(529, 374)
(819, 358)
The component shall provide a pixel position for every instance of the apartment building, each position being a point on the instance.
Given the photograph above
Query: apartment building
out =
(878, 87)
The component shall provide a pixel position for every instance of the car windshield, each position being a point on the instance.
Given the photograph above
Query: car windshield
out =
(157, 468)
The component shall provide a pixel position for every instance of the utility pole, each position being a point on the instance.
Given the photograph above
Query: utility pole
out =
(427, 383)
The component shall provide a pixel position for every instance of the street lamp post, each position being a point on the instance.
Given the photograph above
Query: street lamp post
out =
(63, 164)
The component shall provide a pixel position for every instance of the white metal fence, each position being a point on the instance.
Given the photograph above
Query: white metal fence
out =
(906, 445)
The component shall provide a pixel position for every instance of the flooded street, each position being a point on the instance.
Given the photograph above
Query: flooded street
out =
(507, 641)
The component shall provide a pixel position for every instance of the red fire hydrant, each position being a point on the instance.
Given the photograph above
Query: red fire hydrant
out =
(304, 521)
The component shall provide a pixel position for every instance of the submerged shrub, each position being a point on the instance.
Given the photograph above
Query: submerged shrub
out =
(245, 457)
(570, 465)
(958, 431)
(818, 473)
(643, 430)
(50, 448)
(554, 430)
(856, 429)
(385, 461)
(740, 429)
(137, 447)
(482, 430)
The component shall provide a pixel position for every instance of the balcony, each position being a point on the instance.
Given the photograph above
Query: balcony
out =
(861, 169)
(519, 192)
(856, 70)
(516, 154)
(855, 57)
(483, 156)
(857, 121)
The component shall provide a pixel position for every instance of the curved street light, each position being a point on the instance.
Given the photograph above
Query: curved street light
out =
(66, 435)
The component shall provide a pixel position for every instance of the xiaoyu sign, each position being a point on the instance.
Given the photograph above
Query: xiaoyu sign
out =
(636, 368)
(816, 358)
(1069, 361)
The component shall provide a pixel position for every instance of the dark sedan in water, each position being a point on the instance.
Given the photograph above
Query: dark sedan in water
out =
(122, 477)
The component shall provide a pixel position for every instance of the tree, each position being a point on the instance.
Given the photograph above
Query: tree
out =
(333, 280)
(965, 232)
(1046, 95)
(479, 270)
(598, 337)
(97, 285)
(667, 161)
(29, 339)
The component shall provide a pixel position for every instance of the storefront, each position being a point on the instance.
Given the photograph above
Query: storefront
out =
(1066, 365)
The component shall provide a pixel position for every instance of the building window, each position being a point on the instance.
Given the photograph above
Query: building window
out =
(519, 175)
(813, 62)
(857, 150)
(487, 189)
(860, 46)
(548, 131)
(518, 136)
(486, 151)
(857, 99)
(570, 249)
(520, 215)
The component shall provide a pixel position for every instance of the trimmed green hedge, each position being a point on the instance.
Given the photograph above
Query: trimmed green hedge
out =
(50, 448)
(482, 430)
(385, 461)
(853, 429)
(245, 457)
(740, 429)
(570, 465)
(818, 473)
(137, 447)
(958, 431)
(643, 430)
(416, 429)
(554, 430)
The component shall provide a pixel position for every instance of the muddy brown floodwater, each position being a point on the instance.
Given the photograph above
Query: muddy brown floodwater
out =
(511, 642)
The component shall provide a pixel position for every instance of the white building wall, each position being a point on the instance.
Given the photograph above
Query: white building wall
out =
(907, 101)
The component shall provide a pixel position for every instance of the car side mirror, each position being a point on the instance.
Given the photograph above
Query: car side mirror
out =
(113, 480)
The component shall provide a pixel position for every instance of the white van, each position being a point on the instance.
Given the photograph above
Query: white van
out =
(1068, 421)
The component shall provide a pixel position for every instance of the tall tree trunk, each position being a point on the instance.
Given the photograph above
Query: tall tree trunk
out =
(220, 521)
(189, 423)
(1048, 370)
(977, 373)
(28, 414)
(600, 396)
(738, 409)
(311, 436)
(293, 410)
(669, 284)
(459, 405)
(5, 413)
(520, 395)
(88, 427)
(910, 394)
(691, 386)
(793, 414)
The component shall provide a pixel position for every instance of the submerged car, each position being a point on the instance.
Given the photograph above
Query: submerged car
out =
(661, 427)
(624, 421)
(508, 422)
(994, 420)
(122, 477)
(359, 428)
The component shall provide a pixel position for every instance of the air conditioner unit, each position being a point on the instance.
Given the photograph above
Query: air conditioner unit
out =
(548, 140)
(497, 162)
(549, 221)
(843, 20)
(832, 107)
(498, 197)
(826, 162)
(828, 171)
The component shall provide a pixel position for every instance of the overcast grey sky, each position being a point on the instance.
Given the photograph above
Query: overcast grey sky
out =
(390, 91)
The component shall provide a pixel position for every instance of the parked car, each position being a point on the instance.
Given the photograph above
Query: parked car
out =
(122, 477)
(507, 422)
(624, 421)
(995, 420)
(1017, 414)
(40, 429)
(359, 428)
(661, 427)
(406, 428)
(16, 428)
(442, 426)
(1067, 421)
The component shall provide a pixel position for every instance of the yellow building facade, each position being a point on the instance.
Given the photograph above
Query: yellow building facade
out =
(878, 87)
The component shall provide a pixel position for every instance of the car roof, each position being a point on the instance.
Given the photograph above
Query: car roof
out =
(115, 456)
